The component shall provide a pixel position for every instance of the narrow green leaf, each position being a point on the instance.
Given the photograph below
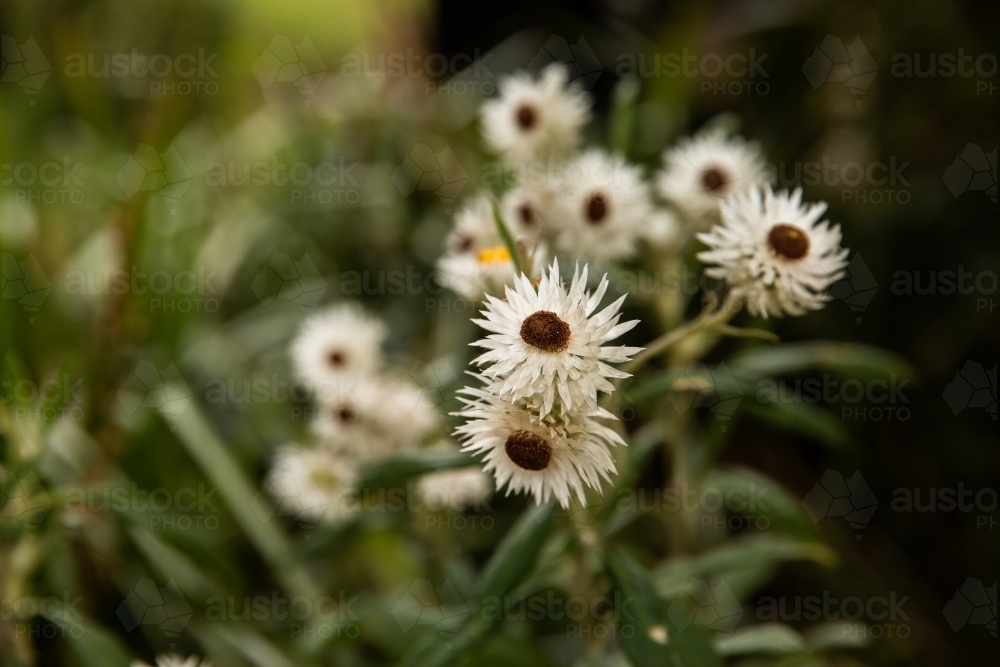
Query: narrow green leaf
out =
(251, 509)
(649, 636)
(506, 236)
(398, 469)
(741, 554)
(773, 638)
(751, 493)
(803, 418)
(846, 359)
(516, 553)
(622, 125)
(93, 645)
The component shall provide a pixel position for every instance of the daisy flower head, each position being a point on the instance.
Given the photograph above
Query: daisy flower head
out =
(312, 485)
(702, 171)
(548, 344)
(174, 660)
(527, 210)
(340, 340)
(774, 253)
(455, 490)
(554, 456)
(368, 419)
(476, 261)
(535, 119)
(602, 207)
(661, 230)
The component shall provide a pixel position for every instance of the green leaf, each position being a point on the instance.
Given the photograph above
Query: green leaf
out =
(837, 635)
(93, 645)
(654, 639)
(850, 360)
(741, 554)
(250, 508)
(622, 125)
(803, 418)
(400, 468)
(753, 494)
(516, 553)
(774, 638)
(506, 237)
(511, 562)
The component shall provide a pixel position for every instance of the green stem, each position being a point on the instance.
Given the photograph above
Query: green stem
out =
(710, 318)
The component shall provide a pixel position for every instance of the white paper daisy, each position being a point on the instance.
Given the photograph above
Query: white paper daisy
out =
(312, 485)
(702, 171)
(532, 119)
(552, 456)
(774, 253)
(528, 211)
(602, 207)
(455, 490)
(476, 261)
(341, 340)
(662, 230)
(371, 418)
(548, 345)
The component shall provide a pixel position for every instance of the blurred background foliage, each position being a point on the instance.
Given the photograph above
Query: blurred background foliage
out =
(237, 327)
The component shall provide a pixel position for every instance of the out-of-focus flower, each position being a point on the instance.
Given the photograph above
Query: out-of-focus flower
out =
(477, 262)
(527, 210)
(533, 120)
(370, 418)
(774, 253)
(455, 490)
(341, 340)
(548, 345)
(602, 205)
(552, 456)
(661, 230)
(312, 484)
(702, 171)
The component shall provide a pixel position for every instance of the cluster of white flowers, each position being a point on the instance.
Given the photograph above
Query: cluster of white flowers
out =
(593, 205)
(363, 414)
(536, 420)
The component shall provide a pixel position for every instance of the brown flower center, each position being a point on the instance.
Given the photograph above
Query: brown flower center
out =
(336, 358)
(714, 180)
(597, 208)
(528, 450)
(526, 116)
(545, 331)
(788, 241)
(527, 214)
(346, 414)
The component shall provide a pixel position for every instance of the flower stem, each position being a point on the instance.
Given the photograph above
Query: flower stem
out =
(710, 318)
